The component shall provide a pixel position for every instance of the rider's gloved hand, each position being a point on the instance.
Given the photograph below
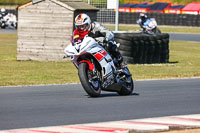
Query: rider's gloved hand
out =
(105, 40)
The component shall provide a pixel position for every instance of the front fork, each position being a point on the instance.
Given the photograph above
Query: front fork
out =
(90, 64)
(92, 68)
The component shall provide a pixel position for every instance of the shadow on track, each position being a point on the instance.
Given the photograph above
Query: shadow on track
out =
(113, 95)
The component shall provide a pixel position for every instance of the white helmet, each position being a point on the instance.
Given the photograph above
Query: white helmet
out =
(82, 22)
(3, 10)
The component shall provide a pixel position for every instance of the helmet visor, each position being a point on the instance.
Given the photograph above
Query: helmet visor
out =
(84, 27)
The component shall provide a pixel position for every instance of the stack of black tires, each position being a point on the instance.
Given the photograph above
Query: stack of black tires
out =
(138, 48)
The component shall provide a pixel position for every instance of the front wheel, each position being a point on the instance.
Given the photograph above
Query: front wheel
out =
(3, 25)
(90, 80)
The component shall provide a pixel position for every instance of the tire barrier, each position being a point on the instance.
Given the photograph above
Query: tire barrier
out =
(138, 48)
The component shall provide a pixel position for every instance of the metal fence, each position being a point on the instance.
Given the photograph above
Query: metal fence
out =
(105, 14)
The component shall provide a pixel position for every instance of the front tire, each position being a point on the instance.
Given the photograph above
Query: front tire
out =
(90, 85)
(3, 26)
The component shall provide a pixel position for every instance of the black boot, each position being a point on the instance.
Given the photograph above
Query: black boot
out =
(114, 51)
(118, 57)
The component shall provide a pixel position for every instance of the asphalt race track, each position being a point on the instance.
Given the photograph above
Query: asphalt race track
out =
(8, 31)
(52, 105)
(36, 106)
(185, 37)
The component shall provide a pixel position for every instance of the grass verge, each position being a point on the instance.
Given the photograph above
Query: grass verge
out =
(184, 62)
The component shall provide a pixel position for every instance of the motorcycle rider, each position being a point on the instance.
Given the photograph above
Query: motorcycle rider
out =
(3, 12)
(2, 15)
(142, 20)
(84, 26)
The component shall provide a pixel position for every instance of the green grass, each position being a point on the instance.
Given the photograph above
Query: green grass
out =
(30, 72)
(13, 72)
(14, 2)
(166, 29)
(184, 62)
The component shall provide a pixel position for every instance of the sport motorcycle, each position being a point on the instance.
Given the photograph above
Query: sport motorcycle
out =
(97, 70)
(150, 26)
(9, 20)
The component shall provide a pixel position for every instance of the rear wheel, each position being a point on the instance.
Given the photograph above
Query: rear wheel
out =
(90, 80)
(127, 87)
(157, 31)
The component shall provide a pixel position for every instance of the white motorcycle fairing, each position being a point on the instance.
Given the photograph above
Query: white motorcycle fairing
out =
(89, 49)
(96, 68)
(150, 24)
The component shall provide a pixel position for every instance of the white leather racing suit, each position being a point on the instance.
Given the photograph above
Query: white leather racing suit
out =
(98, 30)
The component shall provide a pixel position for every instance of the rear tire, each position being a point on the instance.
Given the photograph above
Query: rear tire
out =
(92, 87)
(157, 31)
(128, 87)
